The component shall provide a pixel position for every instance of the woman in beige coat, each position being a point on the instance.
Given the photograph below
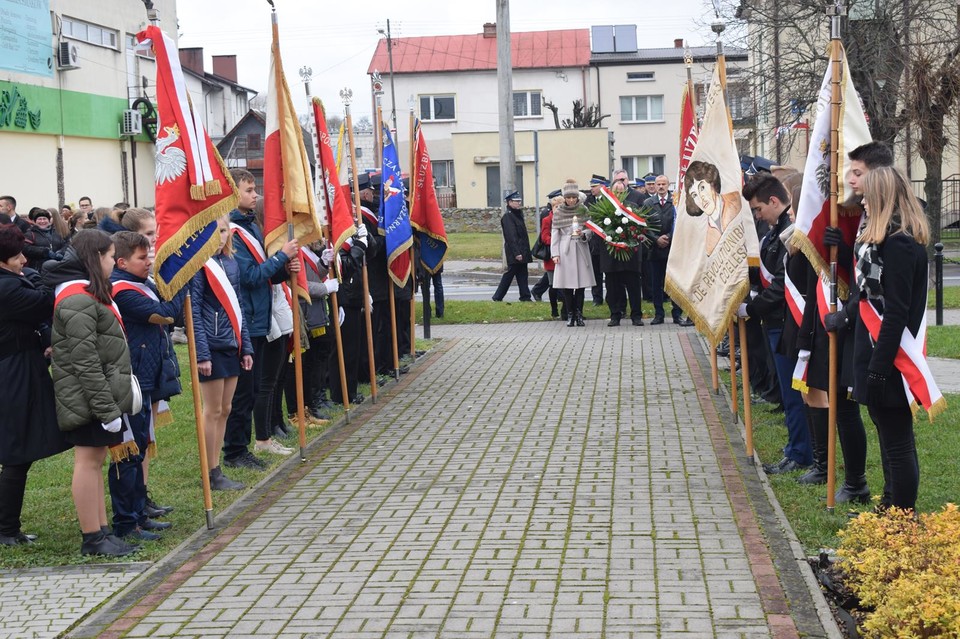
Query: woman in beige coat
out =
(571, 255)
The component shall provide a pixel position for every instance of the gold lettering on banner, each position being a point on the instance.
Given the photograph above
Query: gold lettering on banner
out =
(724, 264)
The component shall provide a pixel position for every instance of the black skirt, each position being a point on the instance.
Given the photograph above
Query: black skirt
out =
(223, 364)
(28, 424)
(94, 436)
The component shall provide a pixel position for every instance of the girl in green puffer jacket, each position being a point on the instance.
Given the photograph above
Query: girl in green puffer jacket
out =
(91, 378)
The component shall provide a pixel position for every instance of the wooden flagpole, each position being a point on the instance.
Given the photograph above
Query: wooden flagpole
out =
(294, 287)
(359, 220)
(413, 171)
(745, 380)
(836, 98)
(198, 408)
(334, 303)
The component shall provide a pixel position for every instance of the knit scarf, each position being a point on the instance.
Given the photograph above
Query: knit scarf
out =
(563, 216)
(869, 266)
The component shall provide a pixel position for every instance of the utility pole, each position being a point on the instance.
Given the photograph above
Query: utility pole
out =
(393, 93)
(508, 152)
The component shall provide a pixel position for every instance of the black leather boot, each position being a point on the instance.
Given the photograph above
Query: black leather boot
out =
(818, 422)
(853, 492)
(97, 543)
(219, 481)
(580, 319)
(571, 319)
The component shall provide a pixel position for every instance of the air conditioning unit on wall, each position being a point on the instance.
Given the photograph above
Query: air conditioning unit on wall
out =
(132, 122)
(68, 56)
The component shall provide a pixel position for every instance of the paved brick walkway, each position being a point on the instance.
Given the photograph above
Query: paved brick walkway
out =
(45, 602)
(530, 480)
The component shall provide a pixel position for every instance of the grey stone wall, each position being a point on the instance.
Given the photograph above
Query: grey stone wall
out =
(481, 220)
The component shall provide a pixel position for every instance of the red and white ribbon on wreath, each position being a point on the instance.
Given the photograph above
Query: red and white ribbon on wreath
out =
(911, 361)
(593, 226)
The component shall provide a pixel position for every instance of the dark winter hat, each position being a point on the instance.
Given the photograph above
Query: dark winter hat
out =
(11, 242)
(36, 212)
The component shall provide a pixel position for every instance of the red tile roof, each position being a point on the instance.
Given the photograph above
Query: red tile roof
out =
(530, 50)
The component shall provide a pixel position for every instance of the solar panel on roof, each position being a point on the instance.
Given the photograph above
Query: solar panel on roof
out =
(602, 39)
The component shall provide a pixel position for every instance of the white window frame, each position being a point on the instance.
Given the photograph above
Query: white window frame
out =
(530, 102)
(131, 44)
(68, 27)
(428, 117)
(648, 76)
(649, 102)
(448, 173)
(640, 165)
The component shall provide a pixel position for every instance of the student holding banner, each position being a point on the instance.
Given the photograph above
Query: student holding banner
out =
(891, 374)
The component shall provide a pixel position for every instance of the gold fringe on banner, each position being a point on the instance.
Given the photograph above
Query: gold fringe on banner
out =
(123, 451)
(212, 188)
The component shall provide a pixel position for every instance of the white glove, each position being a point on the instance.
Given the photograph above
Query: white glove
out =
(327, 256)
(742, 311)
(803, 356)
(753, 294)
(370, 299)
(362, 233)
(332, 285)
(343, 316)
(113, 426)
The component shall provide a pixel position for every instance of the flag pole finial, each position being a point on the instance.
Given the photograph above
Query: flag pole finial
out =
(346, 95)
(718, 27)
(272, 6)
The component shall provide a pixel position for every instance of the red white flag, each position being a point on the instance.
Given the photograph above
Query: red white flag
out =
(193, 187)
(688, 139)
(813, 209)
(333, 198)
(425, 215)
(287, 184)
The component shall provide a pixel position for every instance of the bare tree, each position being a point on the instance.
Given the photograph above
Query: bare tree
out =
(583, 117)
(903, 57)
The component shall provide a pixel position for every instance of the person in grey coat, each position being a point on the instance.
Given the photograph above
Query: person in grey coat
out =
(571, 253)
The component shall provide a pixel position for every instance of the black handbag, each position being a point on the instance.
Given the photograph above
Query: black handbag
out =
(540, 251)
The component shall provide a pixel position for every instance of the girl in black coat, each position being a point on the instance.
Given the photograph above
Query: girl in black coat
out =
(894, 235)
(28, 429)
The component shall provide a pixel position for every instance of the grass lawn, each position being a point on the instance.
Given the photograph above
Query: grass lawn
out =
(951, 297)
(477, 246)
(174, 480)
(938, 446)
(943, 341)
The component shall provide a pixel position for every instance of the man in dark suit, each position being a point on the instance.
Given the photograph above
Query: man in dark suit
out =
(662, 203)
(597, 247)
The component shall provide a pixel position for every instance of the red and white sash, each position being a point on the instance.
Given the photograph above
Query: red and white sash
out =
(766, 277)
(823, 295)
(796, 304)
(79, 287)
(256, 249)
(219, 283)
(143, 289)
(370, 216)
(911, 361)
(311, 259)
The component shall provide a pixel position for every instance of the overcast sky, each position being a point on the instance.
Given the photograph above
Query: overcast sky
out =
(337, 38)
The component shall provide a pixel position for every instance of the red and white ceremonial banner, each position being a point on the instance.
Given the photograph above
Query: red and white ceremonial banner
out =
(287, 182)
(813, 209)
(334, 200)
(714, 241)
(911, 361)
(193, 187)
(688, 138)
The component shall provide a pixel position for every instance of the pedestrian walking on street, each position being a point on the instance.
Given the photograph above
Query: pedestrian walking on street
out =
(516, 247)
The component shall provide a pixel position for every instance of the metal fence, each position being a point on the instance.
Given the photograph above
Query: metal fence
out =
(950, 205)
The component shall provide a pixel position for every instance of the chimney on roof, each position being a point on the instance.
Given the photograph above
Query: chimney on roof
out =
(489, 29)
(192, 58)
(226, 67)
(678, 43)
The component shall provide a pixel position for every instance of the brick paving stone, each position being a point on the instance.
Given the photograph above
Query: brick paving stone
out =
(530, 481)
